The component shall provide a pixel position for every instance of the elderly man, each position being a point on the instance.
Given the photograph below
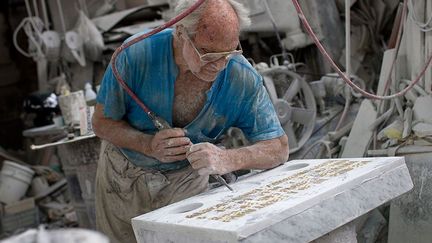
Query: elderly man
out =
(196, 79)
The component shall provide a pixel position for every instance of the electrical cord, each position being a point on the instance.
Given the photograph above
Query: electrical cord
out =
(348, 100)
(27, 25)
(15, 41)
(342, 75)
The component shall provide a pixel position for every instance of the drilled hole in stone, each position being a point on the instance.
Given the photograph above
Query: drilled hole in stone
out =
(187, 208)
(297, 166)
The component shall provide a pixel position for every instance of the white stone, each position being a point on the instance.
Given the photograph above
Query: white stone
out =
(361, 132)
(422, 129)
(299, 201)
(421, 109)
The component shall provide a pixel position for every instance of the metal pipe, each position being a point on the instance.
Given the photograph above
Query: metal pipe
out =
(62, 19)
(412, 149)
(348, 38)
(45, 14)
(383, 117)
(36, 8)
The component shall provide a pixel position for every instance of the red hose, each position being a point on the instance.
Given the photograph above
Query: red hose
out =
(138, 39)
(341, 74)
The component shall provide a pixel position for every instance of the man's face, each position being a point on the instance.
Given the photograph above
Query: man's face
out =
(207, 52)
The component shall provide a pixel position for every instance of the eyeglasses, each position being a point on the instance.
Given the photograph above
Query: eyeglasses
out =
(213, 56)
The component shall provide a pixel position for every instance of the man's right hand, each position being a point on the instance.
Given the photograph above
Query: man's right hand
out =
(170, 145)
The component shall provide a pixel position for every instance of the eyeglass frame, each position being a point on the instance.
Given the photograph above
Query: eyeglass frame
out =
(226, 54)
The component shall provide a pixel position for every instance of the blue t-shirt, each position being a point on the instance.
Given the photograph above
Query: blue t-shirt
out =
(237, 98)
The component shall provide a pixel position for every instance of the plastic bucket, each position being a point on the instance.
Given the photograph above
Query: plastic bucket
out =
(58, 235)
(14, 181)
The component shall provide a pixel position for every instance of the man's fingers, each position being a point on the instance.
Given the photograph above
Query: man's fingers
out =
(204, 171)
(176, 151)
(197, 147)
(196, 155)
(171, 133)
(173, 142)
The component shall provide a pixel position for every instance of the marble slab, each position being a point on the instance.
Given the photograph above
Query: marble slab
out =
(296, 202)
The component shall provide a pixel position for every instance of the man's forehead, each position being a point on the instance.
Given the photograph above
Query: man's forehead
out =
(216, 41)
(218, 25)
(215, 32)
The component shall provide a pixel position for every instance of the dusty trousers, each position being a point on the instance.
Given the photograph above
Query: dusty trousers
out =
(124, 191)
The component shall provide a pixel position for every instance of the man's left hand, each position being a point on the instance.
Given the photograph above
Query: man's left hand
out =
(208, 159)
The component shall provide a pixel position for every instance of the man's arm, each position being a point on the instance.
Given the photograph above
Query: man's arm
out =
(209, 159)
(167, 146)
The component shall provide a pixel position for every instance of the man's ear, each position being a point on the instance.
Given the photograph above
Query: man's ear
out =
(177, 34)
(179, 29)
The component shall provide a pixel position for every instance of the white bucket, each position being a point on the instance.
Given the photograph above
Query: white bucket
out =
(14, 181)
(59, 235)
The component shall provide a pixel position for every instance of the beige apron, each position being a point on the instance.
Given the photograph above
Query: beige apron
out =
(124, 191)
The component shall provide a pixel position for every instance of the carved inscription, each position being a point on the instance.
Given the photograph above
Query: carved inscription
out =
(276, 191)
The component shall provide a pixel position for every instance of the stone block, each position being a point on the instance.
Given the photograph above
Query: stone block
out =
(299, 201)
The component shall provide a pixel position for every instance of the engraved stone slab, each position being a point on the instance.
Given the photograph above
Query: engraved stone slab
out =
(296, 202)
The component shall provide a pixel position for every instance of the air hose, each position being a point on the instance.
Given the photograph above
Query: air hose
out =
(159, 122)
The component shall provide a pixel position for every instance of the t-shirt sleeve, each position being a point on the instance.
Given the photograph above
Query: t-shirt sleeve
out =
(258, 119)
(111, 95)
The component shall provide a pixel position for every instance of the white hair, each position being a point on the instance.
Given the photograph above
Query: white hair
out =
(190, 22)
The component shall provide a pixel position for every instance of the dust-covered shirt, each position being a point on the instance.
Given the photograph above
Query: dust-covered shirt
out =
(237, 98)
